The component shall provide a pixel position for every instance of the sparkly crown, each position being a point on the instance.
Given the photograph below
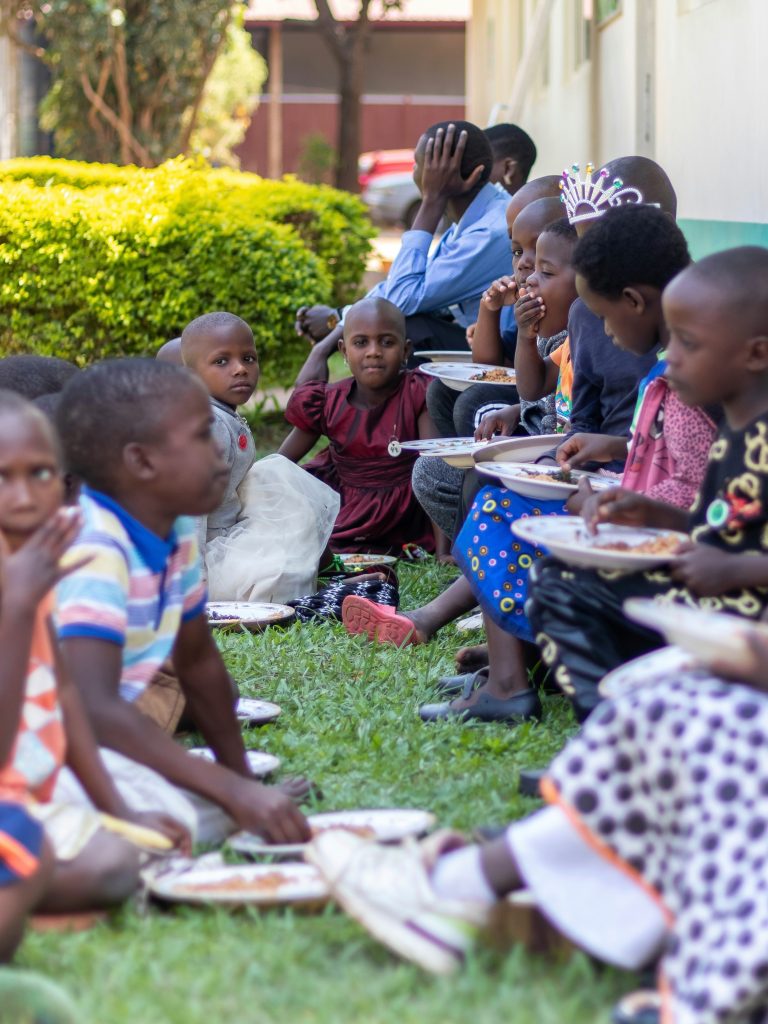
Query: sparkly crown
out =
(592, 197)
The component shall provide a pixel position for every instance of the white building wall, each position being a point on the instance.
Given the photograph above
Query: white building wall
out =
(682, 81)
(616, 75)
(711, 123)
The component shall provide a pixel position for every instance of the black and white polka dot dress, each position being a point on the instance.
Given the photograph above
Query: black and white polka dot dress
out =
(672, 779)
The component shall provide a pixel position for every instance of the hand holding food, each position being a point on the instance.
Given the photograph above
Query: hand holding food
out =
(529, 311)
(504, 421)
(617, 505)
(503, 292)
(583, 448)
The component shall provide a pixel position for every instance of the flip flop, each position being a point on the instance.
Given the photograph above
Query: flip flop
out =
(381, 623)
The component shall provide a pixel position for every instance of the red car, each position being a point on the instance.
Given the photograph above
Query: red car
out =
(383, 161)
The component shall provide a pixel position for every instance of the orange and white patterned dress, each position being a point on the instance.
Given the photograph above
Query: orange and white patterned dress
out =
(39, 750)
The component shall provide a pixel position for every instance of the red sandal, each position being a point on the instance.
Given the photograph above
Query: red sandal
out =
(381, 623)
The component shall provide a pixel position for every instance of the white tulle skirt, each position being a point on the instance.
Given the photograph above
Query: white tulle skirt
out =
(273, 551)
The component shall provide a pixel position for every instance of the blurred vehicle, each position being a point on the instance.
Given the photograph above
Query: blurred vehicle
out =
(382, 161)
(392, 198)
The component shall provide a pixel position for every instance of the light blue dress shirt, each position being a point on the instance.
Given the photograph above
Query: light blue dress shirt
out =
(467, 258)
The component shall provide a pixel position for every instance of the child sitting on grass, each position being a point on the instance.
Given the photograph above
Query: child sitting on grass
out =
(716, 313)
(44, 725)
(652, 849)
(266, 538)
(141, 598)
(364, 417)
(503, 691)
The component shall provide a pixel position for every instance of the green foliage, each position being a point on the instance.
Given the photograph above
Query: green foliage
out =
(349, 721)
(100, 260)
(147, 60)
(316, 159)
(230, 97)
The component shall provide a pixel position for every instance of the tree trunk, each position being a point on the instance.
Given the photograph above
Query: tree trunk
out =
(350, 122)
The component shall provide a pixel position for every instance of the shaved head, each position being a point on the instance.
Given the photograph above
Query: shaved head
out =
(207, 331)
(547, 187)
(170, 352)
(542, 212)
(15, 406)
(646, 175)
(738, 277)
(382, 309)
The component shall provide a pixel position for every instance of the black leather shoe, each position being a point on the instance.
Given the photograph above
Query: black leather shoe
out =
(454, 685)
(520, 708)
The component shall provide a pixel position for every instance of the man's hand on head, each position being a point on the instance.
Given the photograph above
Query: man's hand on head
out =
(441, 178)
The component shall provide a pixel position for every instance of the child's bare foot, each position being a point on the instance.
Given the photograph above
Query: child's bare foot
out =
(470, 659)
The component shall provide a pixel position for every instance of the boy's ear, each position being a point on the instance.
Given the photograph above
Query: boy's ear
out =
(407, 350)
(510, 170)
(635, 300)
(137, 461)
(757, 354)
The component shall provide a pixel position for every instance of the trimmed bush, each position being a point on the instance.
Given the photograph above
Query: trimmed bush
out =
(332, 223)
(99, 261)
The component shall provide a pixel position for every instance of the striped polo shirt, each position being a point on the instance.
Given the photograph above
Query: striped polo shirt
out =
(136, 589)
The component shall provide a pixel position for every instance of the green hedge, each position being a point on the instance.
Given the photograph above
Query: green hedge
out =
(98, 260)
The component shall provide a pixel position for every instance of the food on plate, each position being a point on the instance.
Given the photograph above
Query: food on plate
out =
(214, 616)
(666, 544)
(268, 883)
(560, 476)
(495, 376)
(363, 831)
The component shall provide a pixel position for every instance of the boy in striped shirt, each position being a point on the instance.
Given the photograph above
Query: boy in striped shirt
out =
(138, 434)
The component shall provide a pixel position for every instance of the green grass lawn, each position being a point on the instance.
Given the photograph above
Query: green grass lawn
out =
(349, 722)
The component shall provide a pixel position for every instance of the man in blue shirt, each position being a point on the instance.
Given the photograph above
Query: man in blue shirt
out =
(439, 292)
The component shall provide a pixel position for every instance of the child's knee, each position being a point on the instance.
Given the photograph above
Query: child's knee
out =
(113, 865)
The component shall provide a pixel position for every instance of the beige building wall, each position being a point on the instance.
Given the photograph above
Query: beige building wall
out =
(677, 80)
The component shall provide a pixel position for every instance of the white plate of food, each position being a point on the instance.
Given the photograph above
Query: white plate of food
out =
(251, 711)
(548, 483)
(706, 636)
(385, 826)
(444, 356)
(644, 671)
(519, 449)
(456, 451)
(261, 763)
(248, 615)
(362, 560)
(265, 885)
(431, 444)
(461, 376)
(612, 547)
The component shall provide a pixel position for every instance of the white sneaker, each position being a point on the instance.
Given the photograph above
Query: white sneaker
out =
(387, 890)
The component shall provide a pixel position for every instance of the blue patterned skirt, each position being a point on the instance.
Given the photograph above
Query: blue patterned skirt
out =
(495, 561)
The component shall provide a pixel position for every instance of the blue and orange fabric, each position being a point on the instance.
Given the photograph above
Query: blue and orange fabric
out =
(21, 839)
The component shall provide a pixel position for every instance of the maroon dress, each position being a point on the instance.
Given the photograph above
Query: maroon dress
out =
(379, 511)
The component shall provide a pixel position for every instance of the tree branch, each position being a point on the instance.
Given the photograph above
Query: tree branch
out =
(93, 118)
(332, 31)
(123, 94)
(143, 157)
(210, 60)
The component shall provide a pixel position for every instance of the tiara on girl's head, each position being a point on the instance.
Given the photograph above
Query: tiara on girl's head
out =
(586, 198)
